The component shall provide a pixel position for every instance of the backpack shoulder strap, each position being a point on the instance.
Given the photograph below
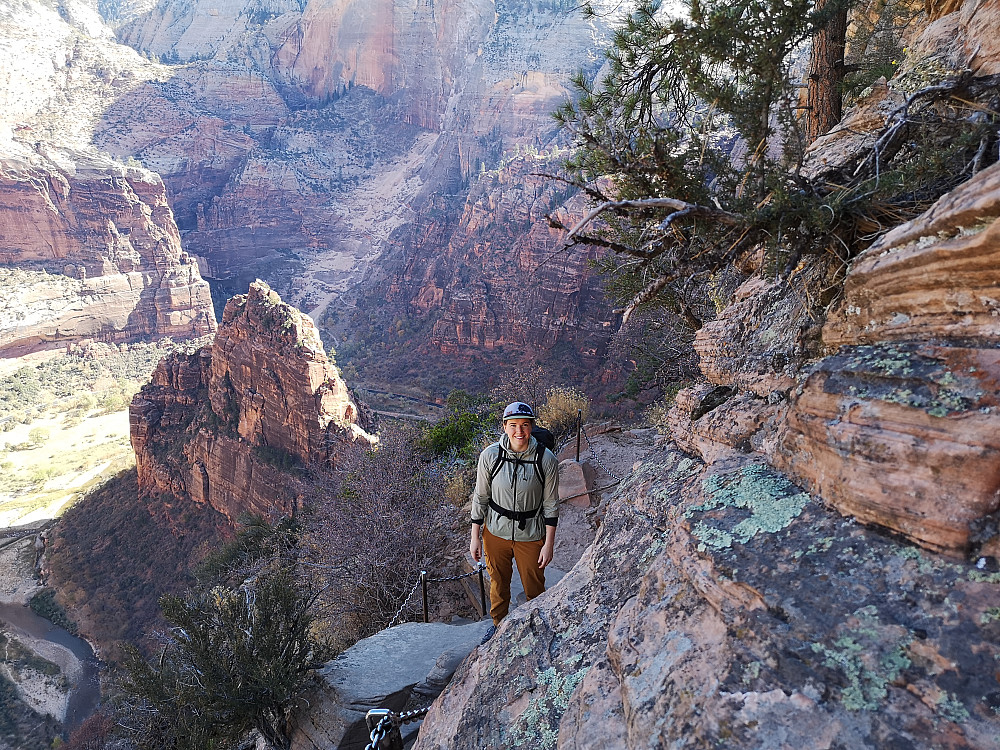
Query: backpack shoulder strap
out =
(501, 457)
(539, 467)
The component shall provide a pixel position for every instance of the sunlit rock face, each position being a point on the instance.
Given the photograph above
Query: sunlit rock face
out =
(720, 605)
(88, 245)
(223, 425)
(89, 249)
(900, 427)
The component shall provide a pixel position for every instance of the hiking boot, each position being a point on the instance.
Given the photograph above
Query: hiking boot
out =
(490, 632)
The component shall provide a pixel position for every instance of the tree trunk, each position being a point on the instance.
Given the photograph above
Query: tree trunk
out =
(826, 71)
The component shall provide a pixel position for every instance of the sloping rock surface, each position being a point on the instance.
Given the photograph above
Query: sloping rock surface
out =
(411, 662)
(223, 425)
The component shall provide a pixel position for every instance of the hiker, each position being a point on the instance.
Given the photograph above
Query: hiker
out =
(516, 495)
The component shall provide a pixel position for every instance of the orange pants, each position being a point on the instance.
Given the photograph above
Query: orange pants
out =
(500, 557)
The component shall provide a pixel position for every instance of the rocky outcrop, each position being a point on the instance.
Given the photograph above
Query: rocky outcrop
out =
(931, 278)
(394, 669)
(720, 605)
(899, 428)
(97, 255)
(224, 425)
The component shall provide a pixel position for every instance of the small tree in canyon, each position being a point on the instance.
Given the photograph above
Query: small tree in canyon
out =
(238, 652)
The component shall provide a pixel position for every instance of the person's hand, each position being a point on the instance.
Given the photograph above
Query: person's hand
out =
(545, 556)
(475, 545)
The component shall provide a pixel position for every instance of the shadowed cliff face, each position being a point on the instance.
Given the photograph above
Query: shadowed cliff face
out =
(226, 424)
(300, 141)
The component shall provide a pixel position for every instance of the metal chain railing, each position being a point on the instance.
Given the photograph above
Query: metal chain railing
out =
(597, 460)
(399, 612)
(384, 727)
(423, 580)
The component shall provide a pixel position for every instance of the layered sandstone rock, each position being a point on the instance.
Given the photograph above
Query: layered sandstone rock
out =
(903, 436)
(899, 428)
(225, 424)
(97, 255)
(937, 276)
(412, 111)
(758, 342)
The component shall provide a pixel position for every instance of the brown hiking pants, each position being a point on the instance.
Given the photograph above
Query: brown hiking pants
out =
(500, 557)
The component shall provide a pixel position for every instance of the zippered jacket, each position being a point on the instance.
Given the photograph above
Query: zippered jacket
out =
(516, 487)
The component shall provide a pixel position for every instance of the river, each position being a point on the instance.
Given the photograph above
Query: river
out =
(85, 695)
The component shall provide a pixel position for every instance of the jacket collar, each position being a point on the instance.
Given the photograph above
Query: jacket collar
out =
(529, 451)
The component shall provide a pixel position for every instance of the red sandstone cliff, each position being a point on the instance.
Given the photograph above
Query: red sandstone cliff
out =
(97, 255)
(224, 425)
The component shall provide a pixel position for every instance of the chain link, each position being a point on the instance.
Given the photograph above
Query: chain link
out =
(416, 714)
(379, 732)
(598, 461)
(399, 612)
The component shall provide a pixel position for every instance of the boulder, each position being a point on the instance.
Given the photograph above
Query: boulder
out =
(903, 436)
(412, 661)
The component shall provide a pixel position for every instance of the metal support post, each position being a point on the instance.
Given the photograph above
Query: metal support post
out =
(423, 586)
(579, 429)
(482, 591)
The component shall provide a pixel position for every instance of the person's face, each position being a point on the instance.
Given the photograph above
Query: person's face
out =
(519, 432)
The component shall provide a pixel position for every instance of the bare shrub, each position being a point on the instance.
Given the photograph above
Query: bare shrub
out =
(526, 384)
(373, 532)
(559, 412)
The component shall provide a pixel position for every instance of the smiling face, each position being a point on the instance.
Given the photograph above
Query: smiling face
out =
(519, 433)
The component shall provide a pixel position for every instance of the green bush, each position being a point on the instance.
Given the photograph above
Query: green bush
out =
(460, 432)
(44, 604)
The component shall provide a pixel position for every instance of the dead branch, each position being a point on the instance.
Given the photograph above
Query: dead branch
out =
(650, 291)
(680, 208)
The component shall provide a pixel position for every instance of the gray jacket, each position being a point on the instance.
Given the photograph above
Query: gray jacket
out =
(516, 487)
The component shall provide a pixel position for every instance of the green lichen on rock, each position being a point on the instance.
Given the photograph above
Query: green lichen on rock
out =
(868, 660)
(549, 697)
(991, 614)
(902, 374)
(773, 503)
(950, 708)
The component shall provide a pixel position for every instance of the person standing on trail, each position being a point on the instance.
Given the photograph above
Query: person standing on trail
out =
(516, 496)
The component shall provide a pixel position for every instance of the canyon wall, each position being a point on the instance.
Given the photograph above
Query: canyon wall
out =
(228, 424)
(89, 249)
(359, 155)
(88, 245)
(812, 557)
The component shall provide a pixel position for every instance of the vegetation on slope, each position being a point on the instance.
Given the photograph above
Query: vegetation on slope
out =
(115, 554)
(692, 150)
